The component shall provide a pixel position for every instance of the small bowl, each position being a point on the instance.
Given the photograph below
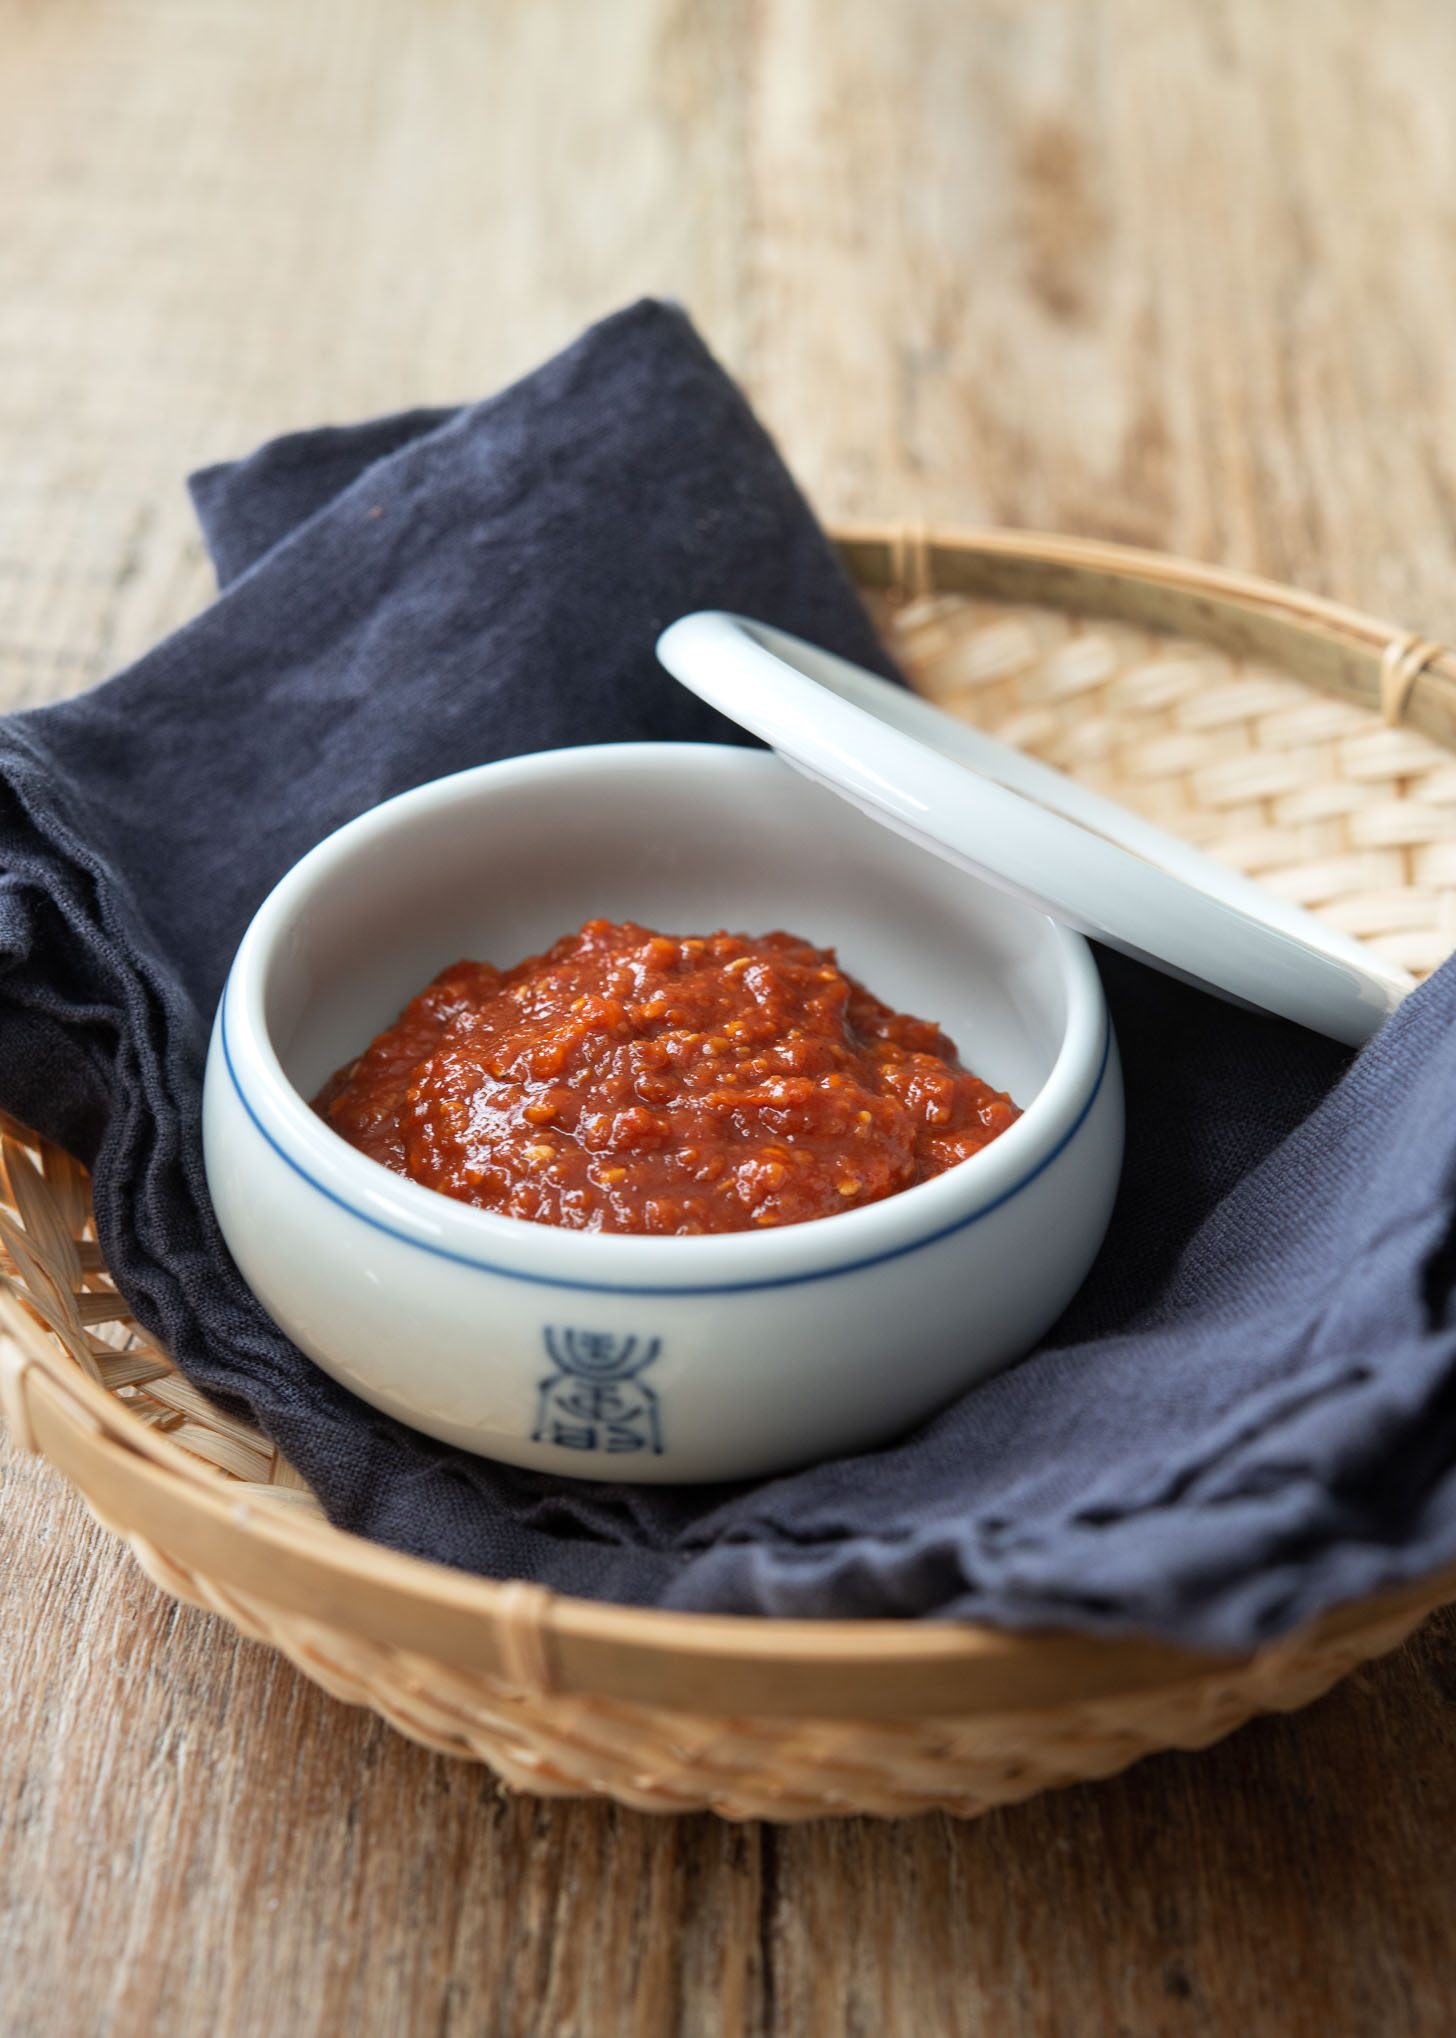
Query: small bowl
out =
(639, 1358)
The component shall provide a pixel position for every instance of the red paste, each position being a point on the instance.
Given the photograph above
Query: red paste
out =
(631, 1081)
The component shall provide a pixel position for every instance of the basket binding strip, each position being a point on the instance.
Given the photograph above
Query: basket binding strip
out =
(1305, 744)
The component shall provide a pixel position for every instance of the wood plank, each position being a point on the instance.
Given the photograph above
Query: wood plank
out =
(222, 222)
(1171, 274)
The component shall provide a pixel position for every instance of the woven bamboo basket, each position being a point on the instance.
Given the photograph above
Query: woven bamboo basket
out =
(1305, 744)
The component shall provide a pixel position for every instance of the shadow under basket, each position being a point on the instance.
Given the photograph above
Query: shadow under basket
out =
(1303, 743)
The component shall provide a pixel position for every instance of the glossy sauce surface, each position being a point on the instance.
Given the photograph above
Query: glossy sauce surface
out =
(638, 1082)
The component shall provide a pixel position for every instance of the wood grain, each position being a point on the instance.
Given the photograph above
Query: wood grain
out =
(1175, 271)
(1176, 274)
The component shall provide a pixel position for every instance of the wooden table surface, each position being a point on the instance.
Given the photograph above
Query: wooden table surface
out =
(1181, 272)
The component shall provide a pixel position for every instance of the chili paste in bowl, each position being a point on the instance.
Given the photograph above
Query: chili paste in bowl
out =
(558, 1314)
(633, 1081)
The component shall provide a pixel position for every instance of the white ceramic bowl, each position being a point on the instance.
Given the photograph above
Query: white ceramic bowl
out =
(620, 1357)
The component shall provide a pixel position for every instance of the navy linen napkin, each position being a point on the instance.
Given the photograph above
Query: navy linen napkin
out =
(1249, 1411)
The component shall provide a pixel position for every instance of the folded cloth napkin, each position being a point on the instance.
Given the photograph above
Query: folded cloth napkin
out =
(1248, 1413)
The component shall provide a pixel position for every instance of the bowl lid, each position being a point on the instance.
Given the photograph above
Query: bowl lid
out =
(1029, 830)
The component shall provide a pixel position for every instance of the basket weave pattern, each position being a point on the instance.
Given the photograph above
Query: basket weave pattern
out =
(1302, 787)
(563, 1744)
(655, 1760)
(1316, 798)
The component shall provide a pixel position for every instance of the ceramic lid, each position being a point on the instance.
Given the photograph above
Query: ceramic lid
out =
(1018, 824)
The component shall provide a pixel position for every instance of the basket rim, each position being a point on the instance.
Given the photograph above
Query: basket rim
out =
(919, 559)
(152, 1491)
(1406, 678)
(155, 1493)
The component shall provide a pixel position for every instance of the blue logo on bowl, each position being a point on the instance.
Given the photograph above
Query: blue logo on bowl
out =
(594, 1401)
